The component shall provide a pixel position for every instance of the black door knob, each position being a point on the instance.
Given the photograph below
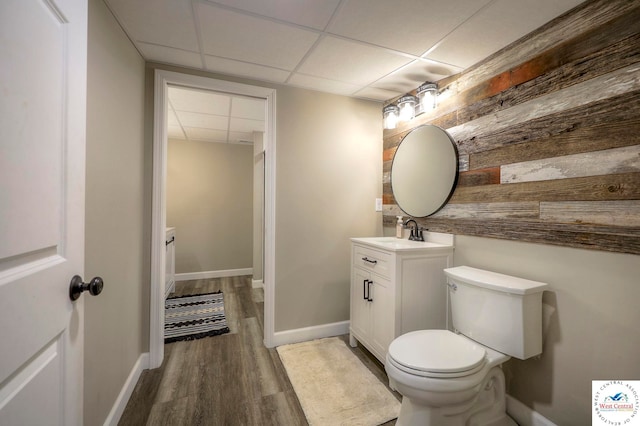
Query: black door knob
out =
(76, 287)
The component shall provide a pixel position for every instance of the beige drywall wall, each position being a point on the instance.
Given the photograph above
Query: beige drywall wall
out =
(210, 203)
(328, 153)
(115, 334)
(328, 169)
(593, 334)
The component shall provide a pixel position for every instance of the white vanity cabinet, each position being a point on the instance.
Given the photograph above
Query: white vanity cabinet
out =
(397, 286)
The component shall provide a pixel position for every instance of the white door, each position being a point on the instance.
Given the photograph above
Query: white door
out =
(42, 153)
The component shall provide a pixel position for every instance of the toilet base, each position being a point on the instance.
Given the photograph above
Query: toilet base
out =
(487, 409)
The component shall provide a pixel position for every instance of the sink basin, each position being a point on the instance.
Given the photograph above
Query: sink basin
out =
(397, 244)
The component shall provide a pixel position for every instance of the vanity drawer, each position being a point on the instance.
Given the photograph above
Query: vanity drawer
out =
(374, 260)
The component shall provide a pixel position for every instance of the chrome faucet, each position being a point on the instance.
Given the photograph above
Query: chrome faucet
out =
(416, 232)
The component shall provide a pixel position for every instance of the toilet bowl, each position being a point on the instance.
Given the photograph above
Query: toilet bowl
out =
(441, 376)
(455, 378)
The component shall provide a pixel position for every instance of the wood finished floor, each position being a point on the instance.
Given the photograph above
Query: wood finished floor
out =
(231, 379)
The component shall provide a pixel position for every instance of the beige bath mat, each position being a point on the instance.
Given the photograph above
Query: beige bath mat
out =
(334, 387)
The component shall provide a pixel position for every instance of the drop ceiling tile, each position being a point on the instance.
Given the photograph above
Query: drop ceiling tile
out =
(323, 84)
(244, 69)
(209, 135)
(201, 101)
(410, 26)
(165, 22)
(238, 137)
(169, 55)
(376, 94)
(175, 132)
(172, 120)
(248, 108)
(246, 38)
(309, 13)
(245, 125)
(203, 121)
(496, 26)
(350, 62)
(413, 75)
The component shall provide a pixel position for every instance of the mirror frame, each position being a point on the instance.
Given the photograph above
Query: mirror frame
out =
(449, 189)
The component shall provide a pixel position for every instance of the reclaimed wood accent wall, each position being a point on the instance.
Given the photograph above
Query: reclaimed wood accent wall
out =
(548, 134)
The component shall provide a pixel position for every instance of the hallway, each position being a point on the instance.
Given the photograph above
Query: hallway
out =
(231, 379)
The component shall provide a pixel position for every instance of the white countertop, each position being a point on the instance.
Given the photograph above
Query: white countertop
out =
(403, 244)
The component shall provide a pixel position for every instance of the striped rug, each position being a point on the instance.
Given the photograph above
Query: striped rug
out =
(194, 317)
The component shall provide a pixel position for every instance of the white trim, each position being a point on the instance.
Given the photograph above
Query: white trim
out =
(524, 415)
(186, 276)
(164, 78)
(310, 333)
(127, 389)
(158, 222)
(269, 253)
(257, 284)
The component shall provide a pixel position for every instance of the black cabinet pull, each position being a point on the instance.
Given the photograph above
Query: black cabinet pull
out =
(366, 259)
(364, 290)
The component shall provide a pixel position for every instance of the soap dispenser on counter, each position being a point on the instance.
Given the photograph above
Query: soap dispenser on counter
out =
(399, 227)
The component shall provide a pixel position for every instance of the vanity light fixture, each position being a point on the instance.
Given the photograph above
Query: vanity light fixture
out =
(407, 105)
(390, 116)
(428, 95)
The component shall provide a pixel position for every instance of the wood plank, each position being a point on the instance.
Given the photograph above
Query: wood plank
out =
(617, 213)
(595, 237)
(604, 162)
(597, 89)
(616, 131)
(477, 177)
(624, 186)
(388, 154)
(520, 210)
(605, 112)
(552, 74)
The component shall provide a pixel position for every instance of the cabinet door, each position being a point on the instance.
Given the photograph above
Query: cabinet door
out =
(382, 315)
(359, 303)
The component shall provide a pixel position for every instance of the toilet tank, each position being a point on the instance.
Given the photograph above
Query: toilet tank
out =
(496, 310)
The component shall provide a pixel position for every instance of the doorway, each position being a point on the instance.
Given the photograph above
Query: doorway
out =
(163, 80)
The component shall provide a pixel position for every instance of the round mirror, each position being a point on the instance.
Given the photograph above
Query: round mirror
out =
(424, 171)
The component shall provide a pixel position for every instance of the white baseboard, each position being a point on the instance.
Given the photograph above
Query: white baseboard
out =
(257, 284)
(310, 333)
(125, 393)
(213, 274)
(524, 415)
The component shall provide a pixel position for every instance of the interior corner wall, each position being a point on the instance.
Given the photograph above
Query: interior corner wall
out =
(115, 248)
(210, 203)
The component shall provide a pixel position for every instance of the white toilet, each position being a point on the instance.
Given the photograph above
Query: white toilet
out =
(448, 378)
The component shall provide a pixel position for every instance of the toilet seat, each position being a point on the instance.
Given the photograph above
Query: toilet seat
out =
(437, 354)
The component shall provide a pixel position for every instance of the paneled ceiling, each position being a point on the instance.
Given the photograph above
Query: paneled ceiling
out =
(370, 49)
(198, 115)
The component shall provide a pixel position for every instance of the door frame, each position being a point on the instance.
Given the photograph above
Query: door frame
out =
(163, 79)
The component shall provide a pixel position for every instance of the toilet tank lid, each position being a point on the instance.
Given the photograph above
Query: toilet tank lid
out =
(494, 280)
